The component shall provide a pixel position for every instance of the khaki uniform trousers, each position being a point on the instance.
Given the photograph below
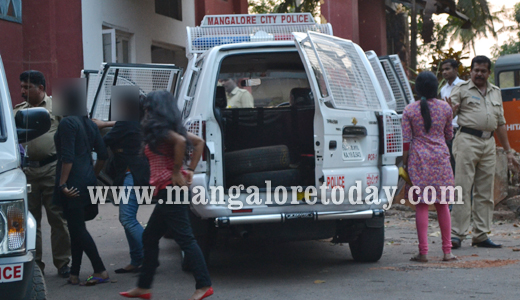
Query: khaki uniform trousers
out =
(475, 160)
(42, 182)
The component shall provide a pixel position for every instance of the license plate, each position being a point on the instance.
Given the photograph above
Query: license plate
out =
(352, 149)
(10, 273)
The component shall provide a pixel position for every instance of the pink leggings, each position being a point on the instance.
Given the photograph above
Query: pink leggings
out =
(421, 221)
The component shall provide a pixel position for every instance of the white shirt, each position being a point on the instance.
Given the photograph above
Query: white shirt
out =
(445, 93)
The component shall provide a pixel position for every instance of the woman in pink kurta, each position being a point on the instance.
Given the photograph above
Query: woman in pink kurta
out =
(426, 127)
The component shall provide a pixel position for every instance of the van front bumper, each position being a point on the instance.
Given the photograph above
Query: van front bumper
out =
(17, 289)
(288, 217)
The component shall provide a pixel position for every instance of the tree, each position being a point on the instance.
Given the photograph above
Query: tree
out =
(512, 45)
(481, 23)
(283, 6)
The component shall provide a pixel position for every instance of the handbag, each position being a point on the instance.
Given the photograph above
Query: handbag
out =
(91, 210)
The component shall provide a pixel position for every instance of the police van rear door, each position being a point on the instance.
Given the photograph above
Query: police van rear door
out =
(349, 98)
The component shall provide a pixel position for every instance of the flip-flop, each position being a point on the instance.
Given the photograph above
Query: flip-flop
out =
(419, 258)
(452, 258)
(92, 280)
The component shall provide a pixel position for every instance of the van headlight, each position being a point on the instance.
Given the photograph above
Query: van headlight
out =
(3, 224)
(12, 227)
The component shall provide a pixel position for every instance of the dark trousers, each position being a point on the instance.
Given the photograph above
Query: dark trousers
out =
(81, 241)
(174, 217)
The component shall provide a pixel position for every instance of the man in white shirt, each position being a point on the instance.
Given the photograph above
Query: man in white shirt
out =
(450, 71)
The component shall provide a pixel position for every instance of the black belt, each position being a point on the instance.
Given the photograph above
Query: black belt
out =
(41, 163)
(478, 133)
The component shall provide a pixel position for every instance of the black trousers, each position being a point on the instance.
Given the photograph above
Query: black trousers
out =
(176, 218)
(81, 241)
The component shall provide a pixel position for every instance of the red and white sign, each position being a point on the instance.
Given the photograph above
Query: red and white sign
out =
(9, 273)
(372, 179)
(266, 19)
(372, 156)
(336, 181)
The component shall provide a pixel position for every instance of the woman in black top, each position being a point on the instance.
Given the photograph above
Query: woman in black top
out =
(130, 169)
(75, 138)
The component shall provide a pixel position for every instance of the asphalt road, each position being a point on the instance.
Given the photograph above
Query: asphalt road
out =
(307, 270)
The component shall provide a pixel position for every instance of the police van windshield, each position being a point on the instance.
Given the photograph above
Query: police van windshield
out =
(268, 80)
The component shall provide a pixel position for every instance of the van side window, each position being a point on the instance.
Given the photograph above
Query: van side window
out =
(509, 79)
(188, 103)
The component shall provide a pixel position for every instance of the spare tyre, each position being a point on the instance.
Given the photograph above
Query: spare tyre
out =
(257, 160)
(289, 177)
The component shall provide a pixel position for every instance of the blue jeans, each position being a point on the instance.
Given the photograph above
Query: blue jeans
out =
(133, 230)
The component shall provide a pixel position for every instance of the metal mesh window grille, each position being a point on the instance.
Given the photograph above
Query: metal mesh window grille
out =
(393, 134)
(201, 39)
(402, 76)
(348, 79)
(393, 80)
(147, 79)
(313, 60)
(93, 84)
(383, 81)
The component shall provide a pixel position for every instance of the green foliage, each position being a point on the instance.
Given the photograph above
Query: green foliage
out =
(512, 45)
(481, 23)
(284, 6)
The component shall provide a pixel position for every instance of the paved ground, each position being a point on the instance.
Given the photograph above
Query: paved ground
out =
(309, 270)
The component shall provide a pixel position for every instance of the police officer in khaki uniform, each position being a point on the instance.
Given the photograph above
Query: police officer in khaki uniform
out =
(237, 97)
(41, 173)
(478, 105)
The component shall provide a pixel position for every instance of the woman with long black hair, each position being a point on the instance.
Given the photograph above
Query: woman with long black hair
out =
(167, 145)
(426, 128)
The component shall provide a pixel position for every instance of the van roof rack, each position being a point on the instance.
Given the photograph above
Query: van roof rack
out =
(217, 30)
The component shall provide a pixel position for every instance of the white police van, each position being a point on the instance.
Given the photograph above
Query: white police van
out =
(319, 117)
(20, 277)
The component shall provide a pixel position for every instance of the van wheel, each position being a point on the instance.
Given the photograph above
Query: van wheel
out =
(257, 160)
(368, 247)
(37, 288)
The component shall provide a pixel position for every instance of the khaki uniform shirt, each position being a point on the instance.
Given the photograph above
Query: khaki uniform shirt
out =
(477, 111)
(43, 146)
(239, 98)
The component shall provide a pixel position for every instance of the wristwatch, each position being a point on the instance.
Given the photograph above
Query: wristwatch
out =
(511, 150)
(63, 186)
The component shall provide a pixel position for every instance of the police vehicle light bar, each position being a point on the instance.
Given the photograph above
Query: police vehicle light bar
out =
(219, 30)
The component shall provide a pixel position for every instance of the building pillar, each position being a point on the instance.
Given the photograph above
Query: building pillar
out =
(343, 16)
(11, 46)
(372, 26)
(52, 38)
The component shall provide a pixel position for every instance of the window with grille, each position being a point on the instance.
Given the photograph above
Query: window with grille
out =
(11, 10)
(169, 8)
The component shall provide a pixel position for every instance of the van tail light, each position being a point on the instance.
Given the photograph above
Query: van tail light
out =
(391, 136)
(198, 128)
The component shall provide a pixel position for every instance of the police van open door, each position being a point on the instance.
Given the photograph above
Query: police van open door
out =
(348, 148)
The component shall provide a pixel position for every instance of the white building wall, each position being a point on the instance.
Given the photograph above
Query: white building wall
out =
(137, 17)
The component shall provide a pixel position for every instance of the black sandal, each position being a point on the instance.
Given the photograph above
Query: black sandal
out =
(124, 271)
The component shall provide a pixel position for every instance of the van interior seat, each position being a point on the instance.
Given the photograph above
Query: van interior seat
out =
(301, 97)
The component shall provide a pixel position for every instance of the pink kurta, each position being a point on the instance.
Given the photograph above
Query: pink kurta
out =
(429, 157)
